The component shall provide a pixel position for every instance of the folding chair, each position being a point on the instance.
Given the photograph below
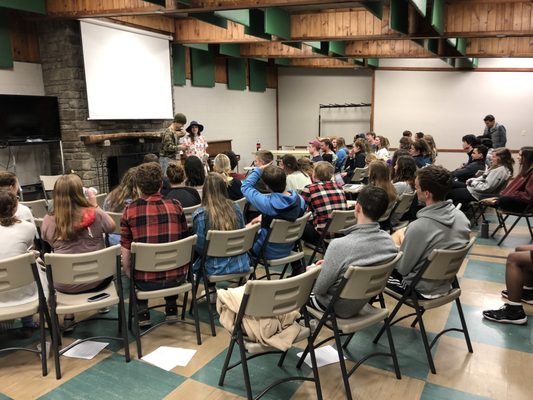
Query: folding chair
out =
(17, 272)
(160, 257)
(384, 221)
(85, 268)
(241, 203)
(340, 220)
(402, 206)
(39, 208)
(224, 244)
(116, 217)
(441, 265)
(47, 183)
(269, 299)
(189, 211)
(358, 283)
(502, 218)
(283, 232)
(359, 174)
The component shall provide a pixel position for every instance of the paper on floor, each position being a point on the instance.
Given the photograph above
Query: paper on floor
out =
(169, 357)
(86, 350)
(324, 356)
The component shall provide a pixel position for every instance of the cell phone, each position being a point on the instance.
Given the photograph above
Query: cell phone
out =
(98, 297)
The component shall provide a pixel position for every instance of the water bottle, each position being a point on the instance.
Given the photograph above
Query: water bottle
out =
(485, 230)
(258, 146)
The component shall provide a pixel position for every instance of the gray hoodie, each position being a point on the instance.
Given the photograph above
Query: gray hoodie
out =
(439, 226)
(359, 247)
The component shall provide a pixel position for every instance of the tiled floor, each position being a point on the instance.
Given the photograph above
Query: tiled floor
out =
(499, 368)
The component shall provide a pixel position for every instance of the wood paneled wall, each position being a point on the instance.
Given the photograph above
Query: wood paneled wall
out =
(24, 39)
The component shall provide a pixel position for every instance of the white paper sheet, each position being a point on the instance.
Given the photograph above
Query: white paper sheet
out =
(86, 350)
(169, 357)
(324, 356)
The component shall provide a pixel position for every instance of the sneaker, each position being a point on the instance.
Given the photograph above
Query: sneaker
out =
(171, 314)
(507, 314)
(144, 319)
(527, 295)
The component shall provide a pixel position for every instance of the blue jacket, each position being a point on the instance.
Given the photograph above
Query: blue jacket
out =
(422, 161)
(271, 206)
(341, 155)
(217, 265)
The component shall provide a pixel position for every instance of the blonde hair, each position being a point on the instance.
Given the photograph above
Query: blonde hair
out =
(69, 202)
(127, 189)
(222, 166)
(379, 176)
(306, 166)
(323, 171)
(220, 211)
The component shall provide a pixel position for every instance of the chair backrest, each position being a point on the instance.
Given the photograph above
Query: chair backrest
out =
(48, 181)
(189, 211)
(160, 257)
(367, 282)
(231, 243)
(83, 267)
(386, 215)
(38, 222)
(341, 219)
(16, 272)
(359, 174)
(444, 264)
(282, 231)
(39, 208)
(404, 203)
(100, 198)
(116, 217)
(279, 296)
(241, 203)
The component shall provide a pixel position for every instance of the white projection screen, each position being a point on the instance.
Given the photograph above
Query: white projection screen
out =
(127, 72)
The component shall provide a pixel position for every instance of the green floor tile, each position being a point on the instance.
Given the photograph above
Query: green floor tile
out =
(263, 370)
(485, 271)
(436, 392)
(506, 336)
(113, 378)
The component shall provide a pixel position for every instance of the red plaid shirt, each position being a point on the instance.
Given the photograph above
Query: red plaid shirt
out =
(154, 220)
(322, 198)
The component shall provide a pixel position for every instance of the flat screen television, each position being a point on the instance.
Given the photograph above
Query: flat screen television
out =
(26, 119)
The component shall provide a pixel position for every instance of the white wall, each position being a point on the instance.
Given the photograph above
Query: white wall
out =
(26, 161)
(243, 116)
(300, 91)
(451, 104)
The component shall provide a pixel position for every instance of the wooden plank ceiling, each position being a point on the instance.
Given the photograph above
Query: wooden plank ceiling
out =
(330, 34)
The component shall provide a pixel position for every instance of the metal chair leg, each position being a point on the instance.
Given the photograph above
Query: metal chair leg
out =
(463, 324)
(425, 340)
(342, 363)
(244, 364)
(392, 349)
(209, 308)
(226, 363)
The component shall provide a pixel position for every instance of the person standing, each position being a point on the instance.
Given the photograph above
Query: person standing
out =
(495, 132)
(194, 142)
(170, 141)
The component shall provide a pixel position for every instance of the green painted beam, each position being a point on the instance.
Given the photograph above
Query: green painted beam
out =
(158, 2)
(257, 24)
(278, 22)
(314, 45)
(461, 46)
(373, 62)
(202, 68)
(212, 19)
(35, 6)
(421, 6)
(257, 76)
(197, 46)
(6, 51)
(437, 16)
(452, 41)
(239, 16)
(432, 45)
(399, 16)
(230, 49)
(375, 8)
(236, 73)
(338, 48)
(358, 61)
(282, 61)
(178, 65)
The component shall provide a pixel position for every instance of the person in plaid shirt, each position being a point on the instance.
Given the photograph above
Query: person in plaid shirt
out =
(321, 198)
(152, 219)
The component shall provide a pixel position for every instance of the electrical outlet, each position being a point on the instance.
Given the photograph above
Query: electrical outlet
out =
(523, 132)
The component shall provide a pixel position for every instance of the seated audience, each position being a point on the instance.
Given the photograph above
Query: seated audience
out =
(234, 163)
(407, 134)
(187, 196)
(469, 142)
(296, 179)
(221, 214)
(341, 152)
(470, 170)
(10, 182)
(194, 172)
(432, 147)
(150, 157)
(16, 236)
(152, 219)
(321, 197)
(306, 166)
(518, 195)
(314, 150)
(519, 283)
(280, 204)
(328, 153)
(419, 135)
(371, 139)
(405, 143)
(439, 225)
(77, 225)
(355, 159)
(487, 185)
(263, 158)
(358, 247)
(421, 153)
(222, 166)
(379, 176)
(382, 148)
(404, 175)
(397, 154)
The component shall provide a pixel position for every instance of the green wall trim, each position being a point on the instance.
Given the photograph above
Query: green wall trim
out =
(338, 48)
(421, 6)
(202, 68)
(212, 19)
(197, 46)
(257, 75)
(399, 15)
(35, 6)
(373, 62)
(6, 51)
(282, 61)
(178, 65)
(437, 16)
(236, 73)
(257, 25)
(239, 16)
(278, 22)
(230, 49)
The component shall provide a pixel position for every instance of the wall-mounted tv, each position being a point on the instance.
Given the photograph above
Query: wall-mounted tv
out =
(29, 118)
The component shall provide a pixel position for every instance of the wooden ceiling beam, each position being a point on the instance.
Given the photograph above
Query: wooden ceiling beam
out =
(157, 23)
(322, 63)
(277, 50)
(386, 49)
(500, 47)
(190, 30)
